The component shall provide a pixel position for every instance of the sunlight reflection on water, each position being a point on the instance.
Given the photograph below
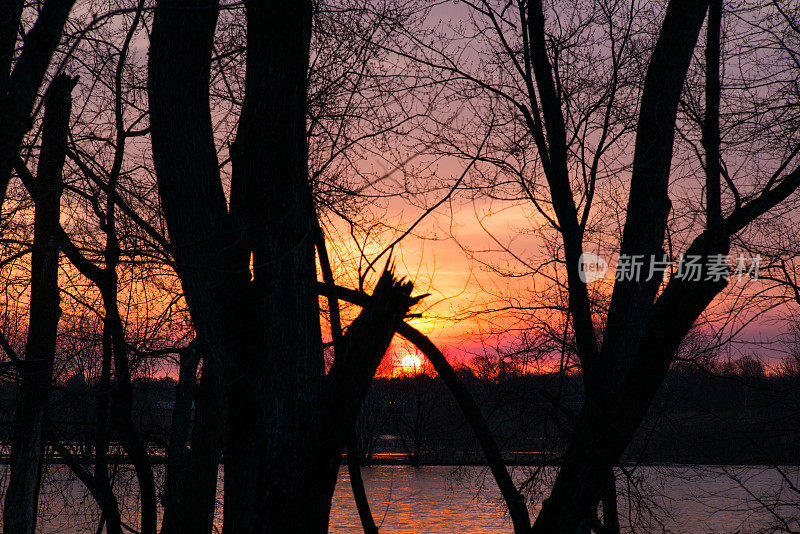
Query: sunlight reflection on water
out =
(428, 499)
(440, 500)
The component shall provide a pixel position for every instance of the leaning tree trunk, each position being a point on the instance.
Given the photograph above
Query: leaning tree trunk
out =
(334, 417)
(357, 485)
(515, 501)
(27, 446)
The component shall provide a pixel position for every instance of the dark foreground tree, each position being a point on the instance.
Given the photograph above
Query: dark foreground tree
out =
(36, 370)
(646, 323)
(19, 86)
(564, 125)
(193, 452)
(248, 269)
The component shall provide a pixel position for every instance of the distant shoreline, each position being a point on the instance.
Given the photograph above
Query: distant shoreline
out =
(438, 462)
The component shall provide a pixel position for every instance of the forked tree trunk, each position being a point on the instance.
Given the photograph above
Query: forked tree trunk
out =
(193, 455)
(605, 427)
(641, 332)
(27, 446)
(262, 335)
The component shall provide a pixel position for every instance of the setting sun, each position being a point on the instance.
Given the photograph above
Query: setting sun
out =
(410, 363)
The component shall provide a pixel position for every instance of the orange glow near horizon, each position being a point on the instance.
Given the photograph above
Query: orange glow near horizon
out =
(470, 254)
(410, 364)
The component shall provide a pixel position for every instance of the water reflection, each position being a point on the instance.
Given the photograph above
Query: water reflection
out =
(689, 499)
(438, 500)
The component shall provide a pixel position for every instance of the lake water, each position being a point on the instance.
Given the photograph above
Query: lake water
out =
(437, 499)
(405, 500)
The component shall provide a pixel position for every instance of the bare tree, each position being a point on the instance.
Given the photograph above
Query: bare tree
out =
(261, 327)
(36, 370)
(570, 125)
(18, 91)
(555, 101)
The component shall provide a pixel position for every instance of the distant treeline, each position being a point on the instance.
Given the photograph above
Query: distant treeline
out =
(731, 413)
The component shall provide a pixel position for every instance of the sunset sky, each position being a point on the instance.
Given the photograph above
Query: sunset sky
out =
(456, 254)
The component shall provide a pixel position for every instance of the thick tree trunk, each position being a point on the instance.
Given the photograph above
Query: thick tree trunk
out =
(598, 440)
(609, 501)
(27, 447)
(190, 495)
(274, 383)
(263, 335)
(283, 429)
(605, 426)
(23, 85)
(200, 497)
